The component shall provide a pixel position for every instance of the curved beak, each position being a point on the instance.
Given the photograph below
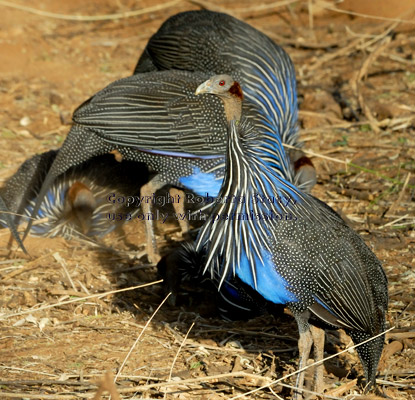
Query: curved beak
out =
(205, 87)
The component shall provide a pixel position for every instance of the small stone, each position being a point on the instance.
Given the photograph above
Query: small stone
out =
(29, 299)
(25, 121)
(55, 98)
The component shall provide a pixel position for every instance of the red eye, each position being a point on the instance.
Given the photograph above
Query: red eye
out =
(221, 83)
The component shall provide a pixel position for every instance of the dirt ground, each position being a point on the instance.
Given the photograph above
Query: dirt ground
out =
(356, 84)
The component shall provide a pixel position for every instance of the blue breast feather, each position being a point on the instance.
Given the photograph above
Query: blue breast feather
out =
(202, 182)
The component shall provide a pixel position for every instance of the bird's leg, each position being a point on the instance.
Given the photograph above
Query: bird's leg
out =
(304, 346)
(10, 222)
(318, 340)
(179, 209)
(146, 193)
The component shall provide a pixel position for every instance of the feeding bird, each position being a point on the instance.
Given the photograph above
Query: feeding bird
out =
(234, 301)
(154, 117)
(90, 199)
(215, 42)
(290, 247)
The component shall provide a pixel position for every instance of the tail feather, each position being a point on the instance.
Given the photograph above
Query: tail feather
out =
(369, 354)
(78, 147)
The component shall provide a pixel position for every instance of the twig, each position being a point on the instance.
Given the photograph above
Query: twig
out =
(74, 382)
(262, 7)
(194, 344)
(310, 15)
(350, 164)
(399, 199)
(61, 261)
(139, 337)
(347, 125)
(331, 56)
(32, 310)
(362, 74)
(394, 221)
(309, 366)
(48, 382)
(16, 260)
(373, 55)
(359, 35)
(300, 42)
(319, 155)
(320, 115)
(354, 45)
(401, 60)
(319, 395)
(83, 287)
(26, 267)
(388, 383)
(339, 391)
(177, 354)
(87, 18)
(26, 370)
(357, 14)
(377, 173)
(212, 7)
(275, 394)
(240, 374)
(6, 395)
(240, 11)
(178, 351)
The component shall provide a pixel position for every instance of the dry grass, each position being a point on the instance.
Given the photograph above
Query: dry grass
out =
(75, 311)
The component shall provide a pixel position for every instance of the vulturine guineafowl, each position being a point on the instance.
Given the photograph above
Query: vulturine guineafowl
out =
(290, 247)
(154, 117)
(215, 42)
(90, 199)
(235, 300)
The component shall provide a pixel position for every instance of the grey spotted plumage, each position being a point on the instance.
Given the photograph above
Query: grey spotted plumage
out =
(290, 247)
(88, 199)
(234, 301)
(154, 117)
